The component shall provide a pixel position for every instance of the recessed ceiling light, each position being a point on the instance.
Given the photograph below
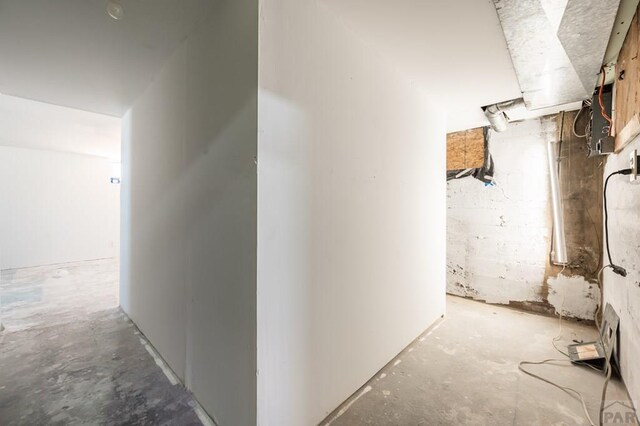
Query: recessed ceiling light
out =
(115, 10)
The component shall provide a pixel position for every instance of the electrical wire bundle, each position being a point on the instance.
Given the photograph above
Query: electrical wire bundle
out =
(570, 391)
(587, 106)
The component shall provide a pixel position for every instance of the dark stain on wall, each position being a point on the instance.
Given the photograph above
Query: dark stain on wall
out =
(581, 192)
(581, 188)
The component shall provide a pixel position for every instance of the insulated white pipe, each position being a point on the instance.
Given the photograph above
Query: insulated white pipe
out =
(497, 118)
(496, 113)
(559, 247)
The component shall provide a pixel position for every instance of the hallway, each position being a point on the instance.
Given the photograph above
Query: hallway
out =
(68, 355)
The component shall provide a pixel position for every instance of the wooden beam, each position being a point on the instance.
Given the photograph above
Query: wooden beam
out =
(627, 88)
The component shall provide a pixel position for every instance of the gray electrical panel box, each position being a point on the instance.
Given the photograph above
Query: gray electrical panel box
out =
(600, 143)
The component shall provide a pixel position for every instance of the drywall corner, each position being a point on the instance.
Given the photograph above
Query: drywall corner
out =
(351, 213)
(189, 217)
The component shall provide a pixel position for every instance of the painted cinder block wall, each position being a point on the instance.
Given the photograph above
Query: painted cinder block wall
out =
(499, 237)
(623, 199)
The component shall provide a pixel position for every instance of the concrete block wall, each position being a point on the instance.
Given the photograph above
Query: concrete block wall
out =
(498, 237)
(624, 292)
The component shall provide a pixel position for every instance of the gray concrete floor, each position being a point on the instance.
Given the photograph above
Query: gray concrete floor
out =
(69, 356)
(465, 371)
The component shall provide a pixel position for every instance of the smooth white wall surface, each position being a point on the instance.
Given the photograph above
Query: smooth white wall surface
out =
(56, 207)
(624, 293)
(153, 264)
(30, 124)
(351, 213)
(189, 212)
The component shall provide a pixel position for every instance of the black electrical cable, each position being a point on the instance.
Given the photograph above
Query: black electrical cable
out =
(617, 269)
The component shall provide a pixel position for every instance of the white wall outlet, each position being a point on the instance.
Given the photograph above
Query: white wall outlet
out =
(633, 164)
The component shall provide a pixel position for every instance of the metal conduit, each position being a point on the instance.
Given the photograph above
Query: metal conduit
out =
(559, 247)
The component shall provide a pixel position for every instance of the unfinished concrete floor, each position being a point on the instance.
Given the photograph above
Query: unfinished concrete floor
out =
(464, 371)
(69, 356)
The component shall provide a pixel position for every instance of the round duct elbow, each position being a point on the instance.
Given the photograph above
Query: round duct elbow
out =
(497, 118)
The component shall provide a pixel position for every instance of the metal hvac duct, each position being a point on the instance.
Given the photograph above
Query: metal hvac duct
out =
(556, 46)
(497, 113)
(559, 247)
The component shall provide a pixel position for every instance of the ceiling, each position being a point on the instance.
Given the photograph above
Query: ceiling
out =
(71, 53)
(30, 124)
(455, 49)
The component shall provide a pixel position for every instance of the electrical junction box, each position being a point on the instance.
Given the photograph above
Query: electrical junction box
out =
(633, 165)
(600, 142)
(606, 145)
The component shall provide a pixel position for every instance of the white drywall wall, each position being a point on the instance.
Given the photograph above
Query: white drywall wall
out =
(30, 124)
(351, 213)
(498, 237)
(624, 239)
(189, 212)
(56, 207)
(153, 261)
